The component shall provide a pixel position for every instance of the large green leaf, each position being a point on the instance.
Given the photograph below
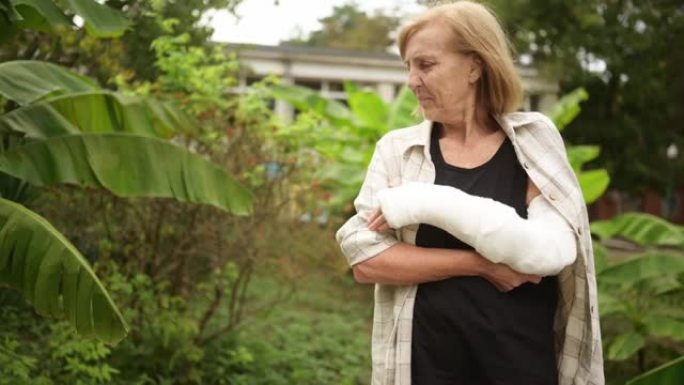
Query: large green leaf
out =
(26, 81)
(128, 166)
(95, 111)
(579, 155)
(369, 108)
(402, 111)
(643, 229)
(664, 326)
(670, 373)
(625, 345)
(8, 12)
(593, 183)
(53, 276)
(305, 99)
(609, 304)
(567, 108)
(600, 257)
(41, 15)
(100, 20)
(645, 266)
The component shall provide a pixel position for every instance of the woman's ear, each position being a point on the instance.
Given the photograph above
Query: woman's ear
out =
(476, 65)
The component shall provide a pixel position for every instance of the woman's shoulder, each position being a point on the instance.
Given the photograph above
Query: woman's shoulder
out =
(534, 124)
(529, 119)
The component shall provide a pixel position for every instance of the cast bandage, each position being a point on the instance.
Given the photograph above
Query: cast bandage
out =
(542, 244)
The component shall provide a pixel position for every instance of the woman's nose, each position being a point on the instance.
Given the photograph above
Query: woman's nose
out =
(413, 80)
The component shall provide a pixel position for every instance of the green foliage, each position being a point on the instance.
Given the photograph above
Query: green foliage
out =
(592, 182)
(622, 53)
(36, 258)
(27, 81)
(567, 108)
(643, 229)
(44, 15)
(641, 293)
(128, 166)
(669, 373)
(348, 27)
(53, 276)
(345, 136)
(67, 103)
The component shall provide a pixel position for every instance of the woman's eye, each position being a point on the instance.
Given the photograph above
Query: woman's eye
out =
(426, 65)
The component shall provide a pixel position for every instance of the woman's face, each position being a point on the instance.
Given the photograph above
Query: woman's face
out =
(443, 80)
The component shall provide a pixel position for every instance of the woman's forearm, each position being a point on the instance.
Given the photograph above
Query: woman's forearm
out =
(405, 264)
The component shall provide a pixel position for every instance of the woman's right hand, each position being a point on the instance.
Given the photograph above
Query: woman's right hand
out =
(507, 279)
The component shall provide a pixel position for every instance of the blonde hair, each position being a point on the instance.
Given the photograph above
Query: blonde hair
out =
(477, 31)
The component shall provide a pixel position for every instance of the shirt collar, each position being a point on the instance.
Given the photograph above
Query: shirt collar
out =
(509, 123)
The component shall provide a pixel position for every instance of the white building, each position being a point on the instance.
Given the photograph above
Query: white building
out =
(326, 69)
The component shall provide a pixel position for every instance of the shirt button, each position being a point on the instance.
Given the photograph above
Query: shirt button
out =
(525, 165)
(552, 196)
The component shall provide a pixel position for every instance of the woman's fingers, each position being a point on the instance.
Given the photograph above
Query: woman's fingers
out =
(374, 215)
(377, 221)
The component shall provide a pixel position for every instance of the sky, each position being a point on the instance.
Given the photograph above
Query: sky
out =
(263, 22)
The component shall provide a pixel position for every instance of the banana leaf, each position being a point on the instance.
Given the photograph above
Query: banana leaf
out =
(96, 111)
(668, 374)
(625, 345)
(40, 15)
(100, 20)
(402, 111)
(26, 81)
(128, 166)
(53, 276)
(565, 110)
(643, 229)
(593, 183)
(645, 266)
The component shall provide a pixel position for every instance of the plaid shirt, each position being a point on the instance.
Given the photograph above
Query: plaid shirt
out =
(402, 156)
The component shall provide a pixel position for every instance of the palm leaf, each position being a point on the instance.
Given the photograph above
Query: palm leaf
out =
(38, 261)
(128, 166)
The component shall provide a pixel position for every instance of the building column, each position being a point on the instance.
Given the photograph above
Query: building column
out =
(282, 108)
(386, 91)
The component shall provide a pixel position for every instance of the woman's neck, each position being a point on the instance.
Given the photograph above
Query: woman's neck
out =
(469, 124)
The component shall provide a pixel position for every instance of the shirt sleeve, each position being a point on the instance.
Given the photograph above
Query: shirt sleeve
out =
(357, 242)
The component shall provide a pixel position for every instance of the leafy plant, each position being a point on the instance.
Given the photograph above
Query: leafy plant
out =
(345, 136)
(66, 130)
(45, 15)
(643, 290)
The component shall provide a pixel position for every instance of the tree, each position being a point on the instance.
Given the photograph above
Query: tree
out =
(622, 52)
(350, 28)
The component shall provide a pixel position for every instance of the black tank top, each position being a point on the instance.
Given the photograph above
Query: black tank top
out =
(465, 331)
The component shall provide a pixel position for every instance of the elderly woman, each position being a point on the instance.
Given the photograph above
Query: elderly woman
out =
(472, 225)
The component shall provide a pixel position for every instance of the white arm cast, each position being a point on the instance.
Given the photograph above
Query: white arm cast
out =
(543, 244)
